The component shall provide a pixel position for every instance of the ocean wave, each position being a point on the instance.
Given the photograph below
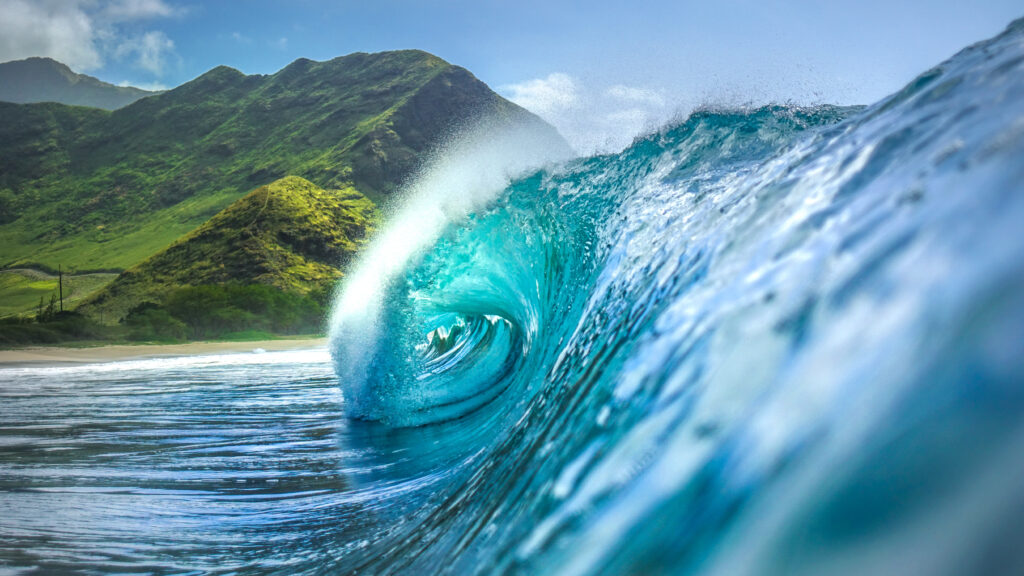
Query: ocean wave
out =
(770, 340)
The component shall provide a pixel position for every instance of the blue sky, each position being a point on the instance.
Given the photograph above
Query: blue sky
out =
(600, 70)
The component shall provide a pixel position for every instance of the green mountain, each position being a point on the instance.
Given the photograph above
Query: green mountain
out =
(46, 80)
(291, 234)
(102, 191)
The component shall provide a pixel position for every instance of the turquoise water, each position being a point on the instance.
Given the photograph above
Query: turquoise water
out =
(778, 340)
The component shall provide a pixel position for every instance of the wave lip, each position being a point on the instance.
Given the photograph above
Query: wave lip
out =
(381, 345)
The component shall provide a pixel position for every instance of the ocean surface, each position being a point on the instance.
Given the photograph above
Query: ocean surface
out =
(777, 340)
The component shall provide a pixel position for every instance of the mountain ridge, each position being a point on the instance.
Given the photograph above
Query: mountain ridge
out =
(105, 190)
(40, 79)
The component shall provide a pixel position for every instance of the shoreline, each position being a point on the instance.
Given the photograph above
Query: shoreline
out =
(63, 356)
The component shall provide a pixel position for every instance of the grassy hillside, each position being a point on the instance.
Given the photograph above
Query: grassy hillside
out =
(23, 288)
(291, 235)
(46, 80)
(94, 190)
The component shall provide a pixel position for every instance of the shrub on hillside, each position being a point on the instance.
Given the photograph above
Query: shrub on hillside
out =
(212, 311)
(53, 329)
(148, 321)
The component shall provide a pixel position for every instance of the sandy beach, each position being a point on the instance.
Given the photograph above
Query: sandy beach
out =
(54, 355)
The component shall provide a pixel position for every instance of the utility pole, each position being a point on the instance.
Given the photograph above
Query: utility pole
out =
(60, 286)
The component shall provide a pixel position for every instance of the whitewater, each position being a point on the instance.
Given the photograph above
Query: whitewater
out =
(771, 340)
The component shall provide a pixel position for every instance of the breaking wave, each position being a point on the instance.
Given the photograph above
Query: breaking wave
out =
(778, 340)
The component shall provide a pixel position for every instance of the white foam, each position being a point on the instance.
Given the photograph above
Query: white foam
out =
(470, 171)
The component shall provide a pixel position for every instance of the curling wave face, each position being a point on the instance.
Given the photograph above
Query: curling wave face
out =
(776, 340)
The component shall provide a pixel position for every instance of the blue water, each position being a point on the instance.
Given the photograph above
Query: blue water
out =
(778, 340)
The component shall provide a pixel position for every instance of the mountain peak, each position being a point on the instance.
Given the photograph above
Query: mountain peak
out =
(226, 71)
(290, 234)
(42, 60)
(108, 189)
(42, 79)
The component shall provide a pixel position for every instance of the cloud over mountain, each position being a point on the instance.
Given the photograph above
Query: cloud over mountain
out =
(85, 34)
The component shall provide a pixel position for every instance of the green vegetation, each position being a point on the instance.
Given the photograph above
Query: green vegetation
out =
(55, 328)
(291, 235)
(105, 190)
(218, 311)
(232, 311)
(46, 80)
(228, 312)
(261, 268)
(22, 288)
(228, 206)
(152, 323)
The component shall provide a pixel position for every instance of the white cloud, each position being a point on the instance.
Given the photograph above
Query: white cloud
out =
(281, 43)
(151, 51)
(592, 119)
(545, 96)
(60, 30)
(129, 10)
(83, 33)
(241, 38)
